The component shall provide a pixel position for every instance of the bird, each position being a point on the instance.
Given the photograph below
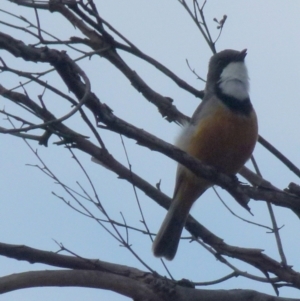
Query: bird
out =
(222, 133)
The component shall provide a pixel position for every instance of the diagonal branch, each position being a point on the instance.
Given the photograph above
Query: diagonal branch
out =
(253, 257)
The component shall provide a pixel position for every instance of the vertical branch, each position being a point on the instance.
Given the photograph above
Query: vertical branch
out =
(273, 219)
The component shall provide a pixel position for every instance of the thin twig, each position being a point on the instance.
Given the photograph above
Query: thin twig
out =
(273, 219)
(234, 214)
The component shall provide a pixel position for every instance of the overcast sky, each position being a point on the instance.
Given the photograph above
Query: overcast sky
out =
(31, 215)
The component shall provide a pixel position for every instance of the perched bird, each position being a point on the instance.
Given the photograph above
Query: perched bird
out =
(222, 133)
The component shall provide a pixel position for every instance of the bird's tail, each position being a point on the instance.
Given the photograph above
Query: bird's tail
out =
(167, 239)
(187, 190)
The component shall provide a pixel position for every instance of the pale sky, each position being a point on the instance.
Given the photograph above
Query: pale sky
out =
(31, 215)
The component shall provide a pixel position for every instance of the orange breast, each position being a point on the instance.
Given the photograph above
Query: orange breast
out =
(224, 139)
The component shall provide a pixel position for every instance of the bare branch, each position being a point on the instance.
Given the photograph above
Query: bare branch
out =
(124, 280)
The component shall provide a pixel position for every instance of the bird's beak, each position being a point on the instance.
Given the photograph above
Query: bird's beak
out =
(243, 54)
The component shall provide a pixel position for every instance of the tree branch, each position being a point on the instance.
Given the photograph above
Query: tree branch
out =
(78, 278)
(130, 282)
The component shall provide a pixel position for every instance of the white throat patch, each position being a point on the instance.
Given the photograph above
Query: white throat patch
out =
(234, 80)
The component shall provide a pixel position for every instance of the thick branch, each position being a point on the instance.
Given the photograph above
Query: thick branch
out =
(254, 257)
(78, 278)
(124, 280)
